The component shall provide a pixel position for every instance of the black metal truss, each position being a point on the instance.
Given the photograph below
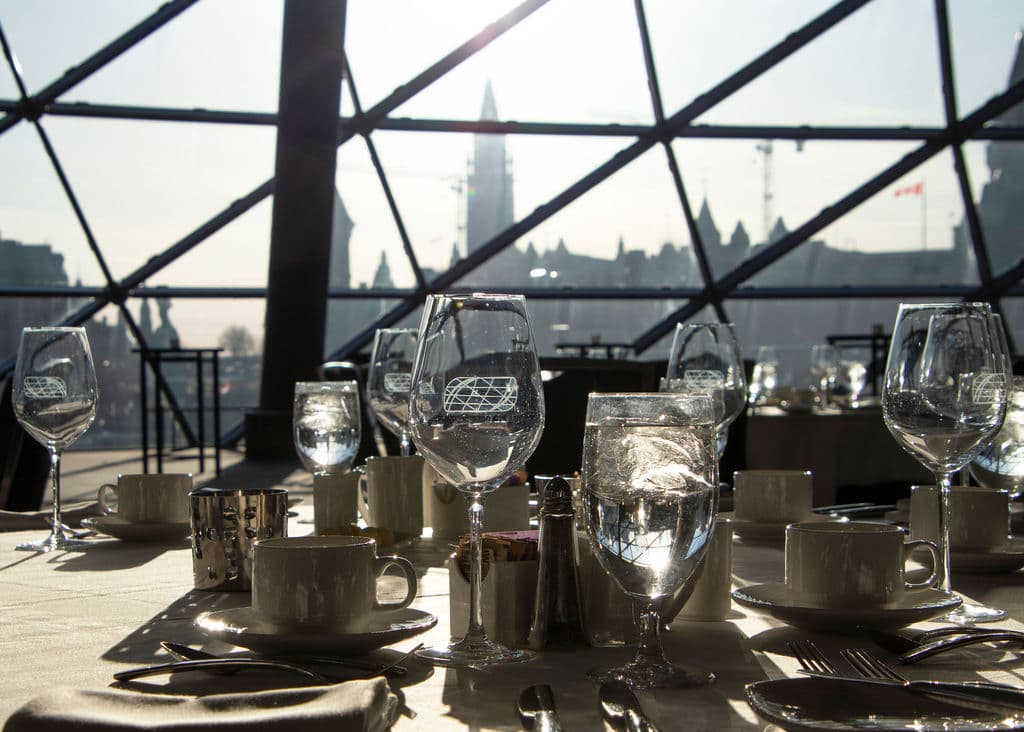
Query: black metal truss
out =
(666, 129)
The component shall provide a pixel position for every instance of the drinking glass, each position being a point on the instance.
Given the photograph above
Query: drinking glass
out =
(55, 394)
(387, 384)
(1000, 464)
(705, 359)
(650, 474)
(943, 398)
(824, 365)
(476, 414)
(326, 421)
(764, 377)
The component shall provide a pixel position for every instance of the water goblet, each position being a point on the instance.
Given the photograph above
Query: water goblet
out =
(943, 398)
(55, 394)
(650, 477)
(476, 414)
(1000, 464)
(705, 359)
(387, 384)
(326, 425)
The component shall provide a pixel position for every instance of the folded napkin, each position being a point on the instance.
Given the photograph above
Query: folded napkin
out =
(72, 515)
(348, 707)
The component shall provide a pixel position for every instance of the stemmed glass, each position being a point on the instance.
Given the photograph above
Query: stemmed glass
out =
(650, 477)
(1001, 463)
(705, 359)
(387, 384)
(327, 424)
(55, 394)
(943, 398)
(476, 415)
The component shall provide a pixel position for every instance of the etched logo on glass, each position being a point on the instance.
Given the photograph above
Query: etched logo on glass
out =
(45, 387)
(480, 394)
(397, 382)
(989, 388)
(703, 379)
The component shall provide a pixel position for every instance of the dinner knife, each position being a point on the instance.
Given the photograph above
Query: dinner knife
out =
(536, 707)
(188, 653)
(983, 694)
(621, 708)
(217, 664)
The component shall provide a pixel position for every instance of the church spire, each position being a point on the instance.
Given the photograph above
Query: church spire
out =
(489, 111)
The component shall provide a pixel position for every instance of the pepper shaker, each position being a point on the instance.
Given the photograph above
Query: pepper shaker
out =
(557, 612)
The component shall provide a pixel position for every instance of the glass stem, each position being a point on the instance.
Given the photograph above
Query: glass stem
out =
(943, 481)
(57, 532)
(475, 632)
(406, 445)
(649, 650)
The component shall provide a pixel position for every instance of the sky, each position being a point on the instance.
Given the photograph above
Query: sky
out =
(144, 185)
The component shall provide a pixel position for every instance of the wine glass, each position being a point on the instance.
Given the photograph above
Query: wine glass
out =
(943, 398)
(1000, 464)
(705, 359)
(326, 421)
(55, 394)
(824, 365)
(476, 414)
(387, 384)
(650, 477)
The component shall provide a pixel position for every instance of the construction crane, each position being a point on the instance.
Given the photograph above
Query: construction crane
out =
(767, 148)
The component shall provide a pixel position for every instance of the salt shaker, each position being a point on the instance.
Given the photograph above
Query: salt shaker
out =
(557, 613)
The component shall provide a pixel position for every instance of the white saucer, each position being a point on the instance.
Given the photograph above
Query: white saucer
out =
(763, 532)
(241, 627)
(911, 607)
(132, 531)
(1006, 559)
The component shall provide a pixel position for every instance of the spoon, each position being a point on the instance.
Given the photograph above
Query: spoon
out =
(919, 646)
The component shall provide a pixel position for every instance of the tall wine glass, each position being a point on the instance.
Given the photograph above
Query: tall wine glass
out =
(387, 384)
(943, 399)
(476, 415)
(705, 359)
(650, 477)
(327, 424)
(55, 394)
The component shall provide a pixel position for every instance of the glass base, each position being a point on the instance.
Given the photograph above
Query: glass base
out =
(970, 613)
(642, 676)
(53, 543)
(465, 653)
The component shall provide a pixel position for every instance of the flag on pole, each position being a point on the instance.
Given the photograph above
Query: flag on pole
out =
(914, 190)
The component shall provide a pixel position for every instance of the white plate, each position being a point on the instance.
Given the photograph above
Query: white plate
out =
(833, 704)
(132, 531)
(1008, 559)
(769, 533)
(911, 607)
(241, 627)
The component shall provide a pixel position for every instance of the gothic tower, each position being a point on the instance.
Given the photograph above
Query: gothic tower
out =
(489, 190)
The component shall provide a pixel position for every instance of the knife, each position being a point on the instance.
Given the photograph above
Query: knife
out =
(621, 708)
(217, 664)
(981, 694)
(536, 709)
(187, 653)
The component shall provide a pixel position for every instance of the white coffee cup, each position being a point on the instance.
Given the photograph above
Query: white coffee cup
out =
(772, 496)
(979, 517)
(145, 498)
(711, 598)
(323, 582)
(335, 500)
(392, 496)
(853, 564)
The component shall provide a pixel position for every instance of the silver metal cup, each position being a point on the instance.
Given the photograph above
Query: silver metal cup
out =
(225, 526)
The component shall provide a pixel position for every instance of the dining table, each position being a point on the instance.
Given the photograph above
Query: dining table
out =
(73, 619)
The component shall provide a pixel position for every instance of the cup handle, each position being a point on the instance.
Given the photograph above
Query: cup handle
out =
(381, 564)
(103, 497)
(933, 578)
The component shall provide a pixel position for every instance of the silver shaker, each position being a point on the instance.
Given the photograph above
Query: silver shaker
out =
(226, 524)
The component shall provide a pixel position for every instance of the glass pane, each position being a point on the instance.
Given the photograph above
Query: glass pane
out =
(627, 231)
(557, 48)
(997, 172)
(117, 373)
(8, 87)
(50, 36)
(1013, 312)
(987, 53)
(145, 185)
(879, 66)
(347, 318)
(21, 312)
(216, 55)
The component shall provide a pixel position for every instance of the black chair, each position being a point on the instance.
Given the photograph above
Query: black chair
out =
(24, 463)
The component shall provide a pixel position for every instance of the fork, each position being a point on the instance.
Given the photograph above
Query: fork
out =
(869, 665)
(811, 659)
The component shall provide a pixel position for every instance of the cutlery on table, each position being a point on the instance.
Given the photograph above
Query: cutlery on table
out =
(536, 707)
(919, 646)
(863, 510)
(218, 664)
(187, 653)
(622, 709)
(981, 694)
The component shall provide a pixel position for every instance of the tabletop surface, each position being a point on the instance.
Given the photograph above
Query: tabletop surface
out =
(73, 619)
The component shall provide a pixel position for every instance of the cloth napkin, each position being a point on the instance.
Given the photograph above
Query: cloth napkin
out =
(353, 706)
(72, 515)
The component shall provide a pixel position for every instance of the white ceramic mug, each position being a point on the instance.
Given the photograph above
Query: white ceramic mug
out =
(335, 500)
(772, 496)
(323, 582)
(392, 496)
(854, 564)
(979, 517)
(144, 498)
